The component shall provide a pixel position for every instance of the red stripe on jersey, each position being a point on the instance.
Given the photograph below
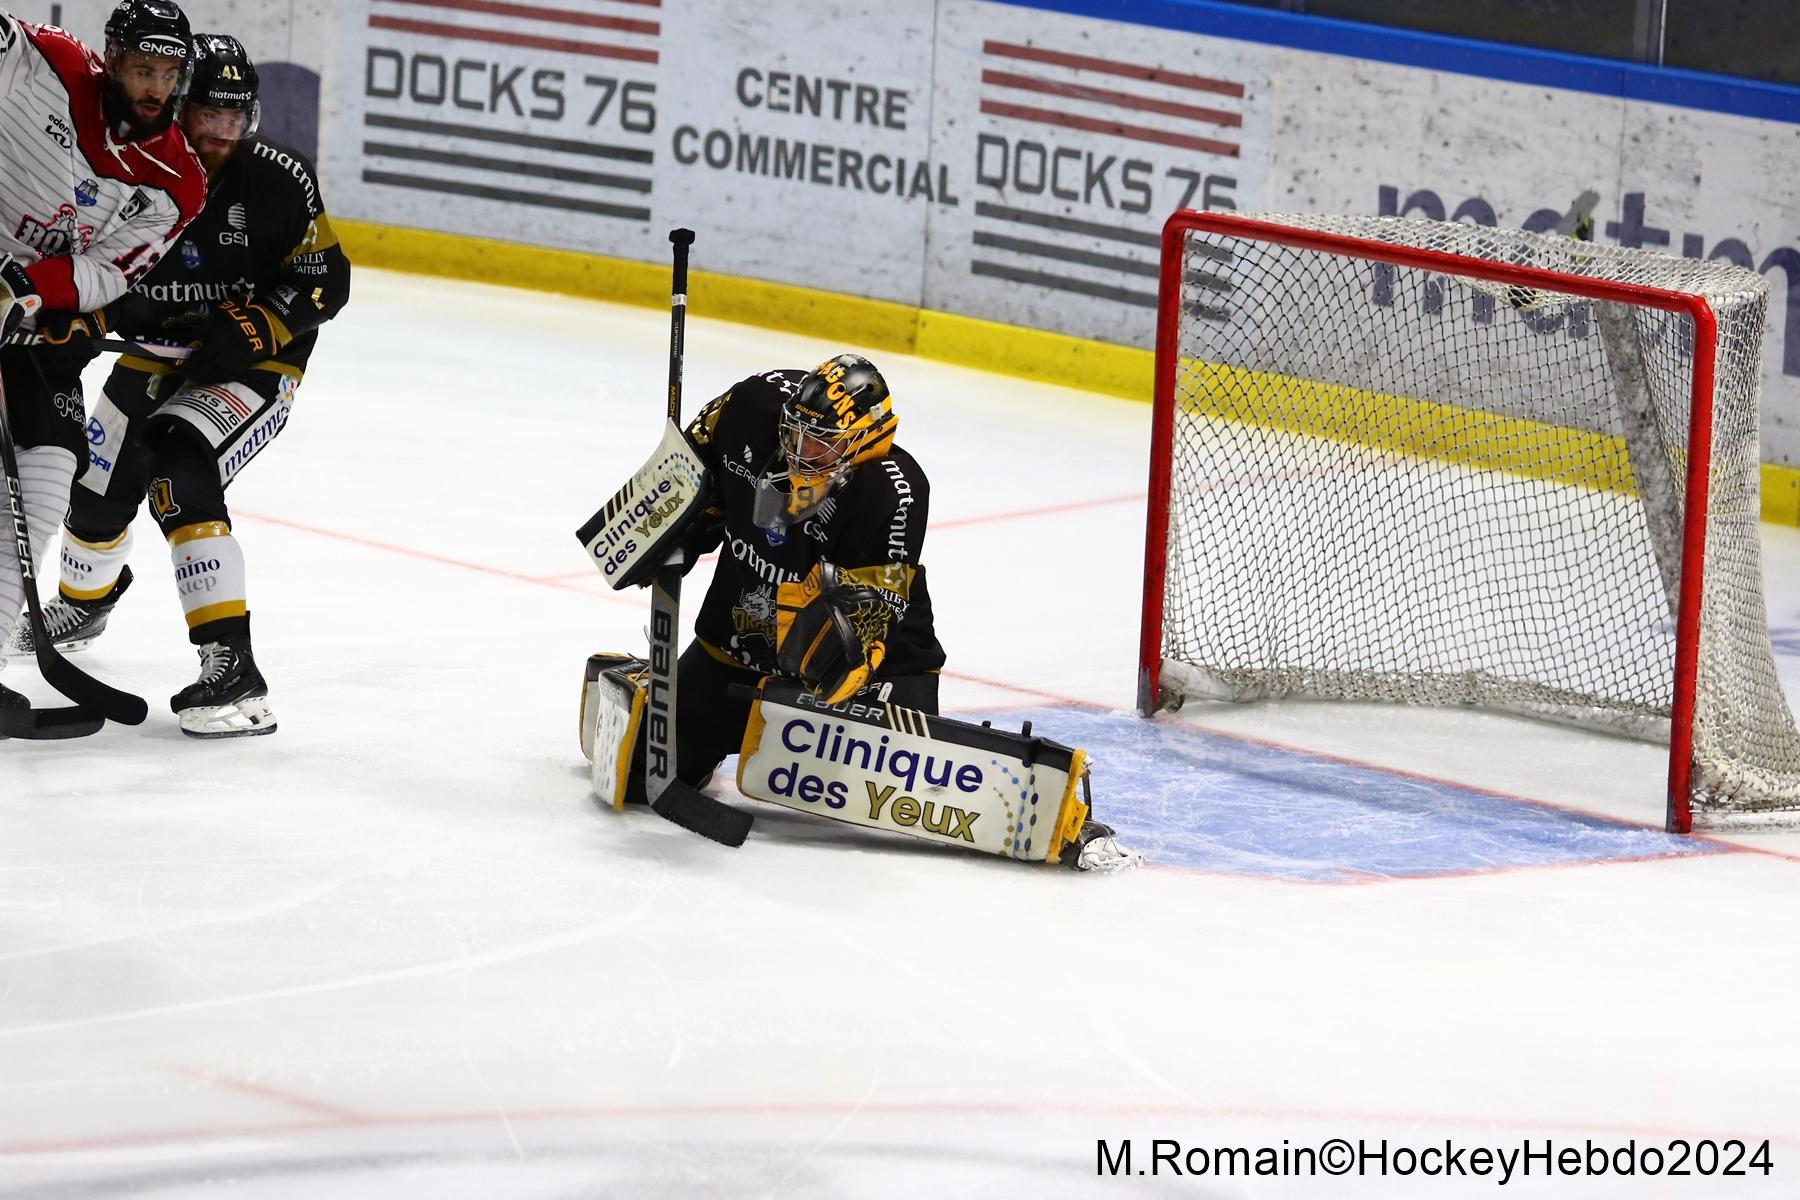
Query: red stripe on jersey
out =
(165, 162)
(54, 279)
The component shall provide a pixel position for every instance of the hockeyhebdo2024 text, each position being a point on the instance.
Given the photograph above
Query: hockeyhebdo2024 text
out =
(1381, 1158)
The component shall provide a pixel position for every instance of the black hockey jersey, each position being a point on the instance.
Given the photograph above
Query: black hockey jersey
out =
(876, 518)
(263, 236)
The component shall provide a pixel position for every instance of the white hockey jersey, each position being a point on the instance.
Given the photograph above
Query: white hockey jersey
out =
(88, 214)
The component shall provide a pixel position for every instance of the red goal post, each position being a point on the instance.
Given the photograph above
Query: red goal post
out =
(1357, 418)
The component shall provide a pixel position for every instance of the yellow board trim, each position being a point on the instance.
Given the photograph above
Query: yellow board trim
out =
(1036, 354)
(217, 612)
(1419, 428)
(198, 530)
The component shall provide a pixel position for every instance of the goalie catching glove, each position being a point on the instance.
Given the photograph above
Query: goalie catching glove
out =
(830, 631)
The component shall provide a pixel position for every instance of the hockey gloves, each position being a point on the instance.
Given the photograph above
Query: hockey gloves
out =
(18, 295)
(68, 341)
(828, 635)
(235, 338)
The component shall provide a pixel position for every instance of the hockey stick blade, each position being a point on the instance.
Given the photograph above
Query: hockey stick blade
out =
(86, 691)
(699, 813)
(49, 724)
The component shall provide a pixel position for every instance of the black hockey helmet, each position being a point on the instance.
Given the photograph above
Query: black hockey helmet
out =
(841, 416)
(225, 78)
(157, 28)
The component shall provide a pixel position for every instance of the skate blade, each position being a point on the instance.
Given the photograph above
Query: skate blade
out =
(14, 650)
(247, 718)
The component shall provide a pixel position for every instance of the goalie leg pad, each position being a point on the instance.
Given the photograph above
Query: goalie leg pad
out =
(612, 708)
(886, 767)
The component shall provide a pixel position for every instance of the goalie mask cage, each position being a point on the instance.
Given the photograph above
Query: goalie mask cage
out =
(1431, 463)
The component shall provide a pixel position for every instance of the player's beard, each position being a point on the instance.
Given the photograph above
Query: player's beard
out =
(213, 152)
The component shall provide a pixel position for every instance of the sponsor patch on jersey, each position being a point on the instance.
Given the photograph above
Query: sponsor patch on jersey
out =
(137, 204)
(7, 36)
(190, 255)
(60, 234)
(87, 192)
(59, 132)
(234, 217)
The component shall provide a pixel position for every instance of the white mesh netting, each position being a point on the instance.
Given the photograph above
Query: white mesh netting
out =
(1389, 483)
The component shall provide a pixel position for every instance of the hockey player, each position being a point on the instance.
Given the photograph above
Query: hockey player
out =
(94, 183)
(818, 620)
(252, 280)
(821, 522)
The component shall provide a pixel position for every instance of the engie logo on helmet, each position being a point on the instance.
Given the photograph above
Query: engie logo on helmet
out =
(159, 46)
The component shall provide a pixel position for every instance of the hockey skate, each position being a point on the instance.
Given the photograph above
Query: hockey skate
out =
(1096, 848)
(72, 624)
(230, 699)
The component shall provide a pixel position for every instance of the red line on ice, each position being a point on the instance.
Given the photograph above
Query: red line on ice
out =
(278, 1095)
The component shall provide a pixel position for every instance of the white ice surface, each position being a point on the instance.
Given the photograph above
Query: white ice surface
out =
(396, 950)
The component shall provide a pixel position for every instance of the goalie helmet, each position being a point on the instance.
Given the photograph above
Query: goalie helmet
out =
(157, 28)
(224, 79)
(841, 416)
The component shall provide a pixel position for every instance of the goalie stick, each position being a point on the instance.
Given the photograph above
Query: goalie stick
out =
(669, 796)
(95, 702)
(112, 345)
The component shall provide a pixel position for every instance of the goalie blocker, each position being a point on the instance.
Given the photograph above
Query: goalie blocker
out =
(875, 764)
(635, 532)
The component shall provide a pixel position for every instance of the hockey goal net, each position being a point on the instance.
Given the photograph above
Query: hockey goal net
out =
(1430, 463)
